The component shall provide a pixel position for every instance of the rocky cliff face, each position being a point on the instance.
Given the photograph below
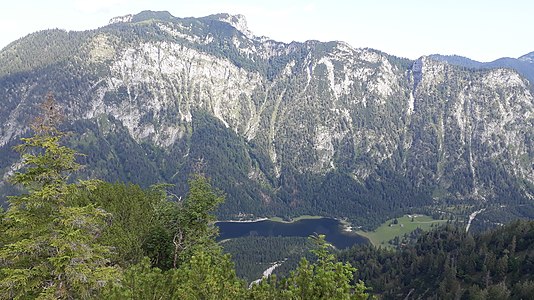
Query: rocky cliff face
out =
(283, 128)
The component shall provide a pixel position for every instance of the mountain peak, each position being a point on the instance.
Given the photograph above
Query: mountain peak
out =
(529, 57)
(143, 16)
(238, 21)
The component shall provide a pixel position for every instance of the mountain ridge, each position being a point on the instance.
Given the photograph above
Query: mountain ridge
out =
(283, 129)
(524, 65)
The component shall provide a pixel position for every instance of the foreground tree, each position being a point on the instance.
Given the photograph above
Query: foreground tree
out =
(183, 226)
(50, 248)
(134, 231)
(184, 260)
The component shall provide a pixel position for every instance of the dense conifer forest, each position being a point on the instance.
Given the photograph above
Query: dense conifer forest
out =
(448, 263)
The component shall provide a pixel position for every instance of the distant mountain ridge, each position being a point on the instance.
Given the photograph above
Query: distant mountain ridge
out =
(283, 129)
(524, 65)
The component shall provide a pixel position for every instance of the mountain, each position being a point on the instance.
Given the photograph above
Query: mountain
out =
(528, 57)
(524, 65)
(283, 129)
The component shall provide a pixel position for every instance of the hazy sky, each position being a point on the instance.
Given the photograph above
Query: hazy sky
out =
(479, 29)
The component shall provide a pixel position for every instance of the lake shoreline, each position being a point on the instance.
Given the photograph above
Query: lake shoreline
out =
(296, 219)
(276, 219)
(243, 221)
(293, 220)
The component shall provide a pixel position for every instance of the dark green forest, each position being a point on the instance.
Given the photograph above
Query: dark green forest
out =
(254, 254)
(448, 263)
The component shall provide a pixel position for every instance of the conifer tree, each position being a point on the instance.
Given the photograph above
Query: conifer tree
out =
(190, 223)
(50, 249)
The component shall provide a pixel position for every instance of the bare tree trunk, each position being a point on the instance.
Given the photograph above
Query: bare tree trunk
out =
(177, 241)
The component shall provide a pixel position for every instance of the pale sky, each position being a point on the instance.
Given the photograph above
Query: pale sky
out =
(483, 30)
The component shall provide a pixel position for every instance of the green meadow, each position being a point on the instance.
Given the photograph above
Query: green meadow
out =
(406, 224)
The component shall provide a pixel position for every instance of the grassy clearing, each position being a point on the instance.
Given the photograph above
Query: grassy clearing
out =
(388, 230)
(303, 217)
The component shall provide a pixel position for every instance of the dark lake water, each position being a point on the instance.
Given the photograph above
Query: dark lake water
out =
(332, 228)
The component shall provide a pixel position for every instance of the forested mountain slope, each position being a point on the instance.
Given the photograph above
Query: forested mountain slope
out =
(283, 129)
(449, 263)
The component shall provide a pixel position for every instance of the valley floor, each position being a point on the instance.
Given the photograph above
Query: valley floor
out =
(404, 225)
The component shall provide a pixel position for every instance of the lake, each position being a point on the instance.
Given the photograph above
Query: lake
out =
(333, 229)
